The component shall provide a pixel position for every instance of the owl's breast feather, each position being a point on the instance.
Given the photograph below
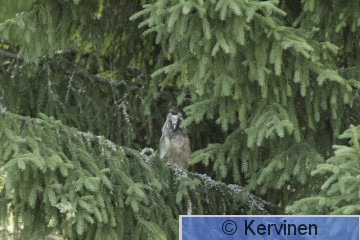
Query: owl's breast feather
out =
(178, 141)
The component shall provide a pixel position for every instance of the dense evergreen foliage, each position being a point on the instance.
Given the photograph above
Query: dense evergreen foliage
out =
(267, 88)
(75, 184)
(268, 76)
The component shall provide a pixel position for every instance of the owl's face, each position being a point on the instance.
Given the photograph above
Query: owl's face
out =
(174, 121)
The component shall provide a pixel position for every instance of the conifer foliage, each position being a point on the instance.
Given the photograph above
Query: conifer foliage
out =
(266, 88)
(81, 186)
(274, 89)
(340, 191)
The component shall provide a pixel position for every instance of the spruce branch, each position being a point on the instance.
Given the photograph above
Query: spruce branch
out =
(72, 70)
(87, 180)
(254, 203)
(11, 55)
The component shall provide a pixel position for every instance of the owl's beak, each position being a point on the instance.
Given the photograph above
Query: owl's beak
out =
(174, 124)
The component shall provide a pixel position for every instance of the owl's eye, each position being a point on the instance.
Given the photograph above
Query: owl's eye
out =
(169, 125)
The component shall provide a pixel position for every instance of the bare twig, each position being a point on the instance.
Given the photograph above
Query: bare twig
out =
(14, 56)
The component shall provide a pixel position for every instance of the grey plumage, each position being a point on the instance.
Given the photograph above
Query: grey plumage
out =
(175, 142)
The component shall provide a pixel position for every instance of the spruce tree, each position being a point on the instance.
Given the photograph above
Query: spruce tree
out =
(268, 74)
(266, 88)
(77, 185)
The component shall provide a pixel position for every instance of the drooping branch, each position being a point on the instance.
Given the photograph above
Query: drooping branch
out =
(11, 55)
(190, 182)
(72, 70)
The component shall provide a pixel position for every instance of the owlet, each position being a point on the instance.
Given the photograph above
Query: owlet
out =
(175, 142)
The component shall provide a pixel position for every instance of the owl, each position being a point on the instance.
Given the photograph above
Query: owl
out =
(175, 142)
